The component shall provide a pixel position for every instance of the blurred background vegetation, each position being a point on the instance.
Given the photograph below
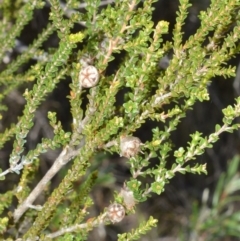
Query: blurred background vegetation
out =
(192, 207)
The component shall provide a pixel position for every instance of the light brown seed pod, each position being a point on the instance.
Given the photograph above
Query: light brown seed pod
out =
(129, 146)
(128, 197)
(88, 76)
(86, 60)
(116, 212)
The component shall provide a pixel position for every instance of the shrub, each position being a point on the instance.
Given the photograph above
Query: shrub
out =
(111, 55)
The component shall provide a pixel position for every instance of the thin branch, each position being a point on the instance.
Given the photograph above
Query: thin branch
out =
(161, 98)
(103, 3)
(70, 12)
(65, 156)
(94, 223)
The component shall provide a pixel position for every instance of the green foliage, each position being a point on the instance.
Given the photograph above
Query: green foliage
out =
(124, 28)
(141, 230)
(5, 201)
(207, 219)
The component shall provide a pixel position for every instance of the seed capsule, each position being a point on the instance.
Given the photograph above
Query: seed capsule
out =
(128, 197)
(88, 76)
(86, 60)
(116, 212)
(129, 146)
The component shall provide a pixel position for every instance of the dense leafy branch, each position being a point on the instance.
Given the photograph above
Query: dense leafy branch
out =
(119, 102)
